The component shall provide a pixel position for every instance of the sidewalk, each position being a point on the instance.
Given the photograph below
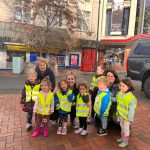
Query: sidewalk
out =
(14, 137)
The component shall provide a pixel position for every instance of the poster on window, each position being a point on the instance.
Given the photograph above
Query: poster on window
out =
(61, 61)
(3, 58)
(74, 59)
(117, 17)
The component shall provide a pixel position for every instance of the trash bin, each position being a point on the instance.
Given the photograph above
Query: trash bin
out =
(18, 65)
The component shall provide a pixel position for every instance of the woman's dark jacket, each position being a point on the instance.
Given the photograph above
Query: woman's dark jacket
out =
(47, 73)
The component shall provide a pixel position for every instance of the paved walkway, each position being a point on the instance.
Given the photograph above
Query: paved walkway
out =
(14, 137)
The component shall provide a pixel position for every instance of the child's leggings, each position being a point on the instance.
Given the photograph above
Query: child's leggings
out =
(125, 126)
(83, 123)
(62, 118)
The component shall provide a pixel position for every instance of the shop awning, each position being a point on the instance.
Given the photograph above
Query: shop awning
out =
(123, 41)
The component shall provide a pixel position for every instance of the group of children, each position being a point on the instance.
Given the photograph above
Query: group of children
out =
(37, 98)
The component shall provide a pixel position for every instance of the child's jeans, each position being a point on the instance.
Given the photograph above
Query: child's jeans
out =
(29, 117)
(104, 122)
(125, 126)
(44, 119)
(62, 118)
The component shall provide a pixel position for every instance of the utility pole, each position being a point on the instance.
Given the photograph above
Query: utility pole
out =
(97, 41)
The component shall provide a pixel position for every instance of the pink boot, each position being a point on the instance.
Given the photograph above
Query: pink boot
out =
(45, 130)
(36, 132)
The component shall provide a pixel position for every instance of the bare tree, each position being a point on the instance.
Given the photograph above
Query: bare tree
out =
(49, 18)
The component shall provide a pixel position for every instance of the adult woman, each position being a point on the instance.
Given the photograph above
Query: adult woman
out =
(113, 86)
(71, 78)
(43, 71)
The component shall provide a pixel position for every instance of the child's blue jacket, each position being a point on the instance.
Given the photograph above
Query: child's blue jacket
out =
(105, 101)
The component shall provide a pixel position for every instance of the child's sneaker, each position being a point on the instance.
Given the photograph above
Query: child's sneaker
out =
(84, 132)
(28, 126)
(64, 131)
(102, 132)
(123, 144)
(75, 125)
(90, 120)
(59, 130)
(78, 131)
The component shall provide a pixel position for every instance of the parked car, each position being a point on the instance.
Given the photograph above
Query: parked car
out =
(138, 67)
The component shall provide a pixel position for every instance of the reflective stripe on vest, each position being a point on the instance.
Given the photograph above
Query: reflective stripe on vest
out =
(123, 104)
(64, 104)
(98, 102)
(44, 105)
(31, 93)
(93, 83)
(82, 109)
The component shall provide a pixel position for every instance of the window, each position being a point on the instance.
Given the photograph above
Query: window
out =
(87, 0)
(83, 22)
(18, 14)
(125, 23)
(108, 22)
(21, 11)
(143, 49)
(146, 27)
(109, 1)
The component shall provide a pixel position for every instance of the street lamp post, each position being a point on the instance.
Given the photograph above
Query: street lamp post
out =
(97, 41)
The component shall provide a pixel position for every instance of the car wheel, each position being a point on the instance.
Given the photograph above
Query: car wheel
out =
(146, 87)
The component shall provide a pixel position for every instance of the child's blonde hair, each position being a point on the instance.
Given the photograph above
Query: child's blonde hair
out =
(46, 80)
(103, 79)
(31, 71)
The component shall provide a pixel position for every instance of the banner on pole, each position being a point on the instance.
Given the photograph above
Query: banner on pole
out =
(117, 17)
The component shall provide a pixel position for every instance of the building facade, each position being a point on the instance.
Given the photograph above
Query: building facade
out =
(119, 20)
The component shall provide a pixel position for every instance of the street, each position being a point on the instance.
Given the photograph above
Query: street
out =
(15, 83)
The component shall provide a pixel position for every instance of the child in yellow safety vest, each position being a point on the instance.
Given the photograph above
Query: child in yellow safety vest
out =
(126, 104)
(63, 101)
(83, 105)
(44, 107)
(29, 95)
(94, 90)
(102, 104)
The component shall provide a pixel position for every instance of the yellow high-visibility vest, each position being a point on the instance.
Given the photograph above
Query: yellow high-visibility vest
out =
(93, 83)
(44, 105)
(31, 93)
(82, 109)
(98, 102)
(64, 104)
(123, 104)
